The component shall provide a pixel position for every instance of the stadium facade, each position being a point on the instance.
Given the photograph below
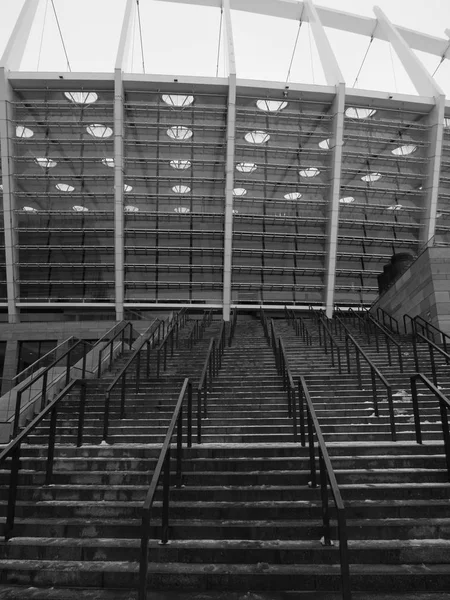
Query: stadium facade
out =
(130, 192)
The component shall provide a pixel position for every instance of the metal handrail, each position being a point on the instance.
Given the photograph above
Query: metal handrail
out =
(431, 348)
(199, 328)
(392, 320)
(324, 333)
(233, 321)
(44, 376)
(299, 326)
(172, 334)
(370, 324)
(427, 326)
(163, 468)
(213, 363)
(374, 372)
(146, 340)
(263, 319)
(34, 366)
(326, 473)
(13, 448)
(110, 344)
(284, 371)
(444, 405)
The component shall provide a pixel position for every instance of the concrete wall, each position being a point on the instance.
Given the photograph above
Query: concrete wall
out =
(424, 290)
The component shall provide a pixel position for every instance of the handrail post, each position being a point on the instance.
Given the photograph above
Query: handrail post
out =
(123, 387)
(178, 477)
(12, 492)
(416, 413)
(189, 415)
(433, 364)
(130, 339)
(51, 446)
(44, 390)
(312, 456)
(166, 495)
(17, 413)
(106, 417)
(99, 368)
(302, 413)
(199, 416)
(111, 349)
(138, 372)
(82, 410)
(391, 415)
(324, 496)
(374, 392)
(347, 351)
(148, 359)
(68, 367)
(358, 367)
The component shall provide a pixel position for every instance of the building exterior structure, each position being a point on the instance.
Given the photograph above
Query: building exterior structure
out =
(139, 192)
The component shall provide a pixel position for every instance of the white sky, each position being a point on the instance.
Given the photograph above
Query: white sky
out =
(183, 40)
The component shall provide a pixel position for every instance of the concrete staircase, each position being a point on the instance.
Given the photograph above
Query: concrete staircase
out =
(245, 520)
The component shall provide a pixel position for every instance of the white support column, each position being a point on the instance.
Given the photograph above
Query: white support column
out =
(10, 61)
(336, 144)
(425, 86)
(328, 60)
(229, 164)
(119, 162)
(333, 77)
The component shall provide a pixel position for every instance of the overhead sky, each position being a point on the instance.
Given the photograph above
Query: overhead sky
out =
(184, 40)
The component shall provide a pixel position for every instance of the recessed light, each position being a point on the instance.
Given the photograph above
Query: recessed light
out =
(109, 162)
(293, 196)
(370, 177)
(257, 137)
(325, 144)
(235, 212)
(246, 167)
(64, 187)
(182, 209)
(177, 100)
(271, 105)
(446, 122)
(346, 200)
(130, 208)
(180, 133)
(239, 192)
(181, 189)
(46, 163)
(180, 164)
(309, 172)
(99, 131)
(127, 188)
(404, 150)
(23, 132)
(78, 208)
(395, 207)
(81, 97)
(29, 209)
(359, 113)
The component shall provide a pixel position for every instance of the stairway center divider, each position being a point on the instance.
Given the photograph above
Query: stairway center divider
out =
(432, 348)
(326, 475)
(299, 326)
(213, 362)
(427, 329)
(168, 331)
(385, 316)
(375, 373)
(163, 468)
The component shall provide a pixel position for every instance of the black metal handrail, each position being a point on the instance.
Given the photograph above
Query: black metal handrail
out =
(121, 332)
(213, 363)
(432, 347)
(199, 327)
(371, 326)
(393, 323)
(233, 321)
(170, 339)
(12, 450)
(326, 474)
(299, 326)
(444, 406)
(67, 355)
(282, 364)
(327, 340)
(431, 330)
(374, 372)
(163, 468)
(148, 341)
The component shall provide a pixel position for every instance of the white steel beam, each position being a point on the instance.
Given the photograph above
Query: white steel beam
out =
(333, 75)
(15, 48)
(335, 19)
(336, 144)
(123, 49)
(422, 80)
(435, 121)
(229, 164)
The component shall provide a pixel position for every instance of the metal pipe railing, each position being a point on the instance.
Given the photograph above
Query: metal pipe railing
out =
(163, 468)
(385, 316)
(109, 346)
(299, 326)
(327, 475)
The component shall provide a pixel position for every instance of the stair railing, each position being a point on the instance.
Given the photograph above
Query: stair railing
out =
(385, 316)
(199, 327)
(444, 406)
(163, 469)
(299, 326)
(233, 321)
(326, 475)
(284, 371)
(213, 363)
(148, 341)
(12, 450)
(428, 330)
(432, 348)
(264, 323)
(371, 326)
(328, 341)
(374, 372)
(170, 340)
(124, 331)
